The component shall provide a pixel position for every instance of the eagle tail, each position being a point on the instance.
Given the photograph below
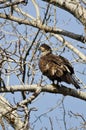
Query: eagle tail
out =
(75, 82)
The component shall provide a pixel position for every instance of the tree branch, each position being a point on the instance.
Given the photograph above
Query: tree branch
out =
(11, 3)
(10, 116)
(47, 88)
(72, 6)
(70, 46)
(44, 27)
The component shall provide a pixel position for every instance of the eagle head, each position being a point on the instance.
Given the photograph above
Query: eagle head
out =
(45, 49)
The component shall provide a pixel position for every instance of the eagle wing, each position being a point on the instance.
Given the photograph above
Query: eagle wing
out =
(61, 62)
(55, 66)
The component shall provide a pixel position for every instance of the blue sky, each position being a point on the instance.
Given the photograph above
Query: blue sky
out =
(46, 101)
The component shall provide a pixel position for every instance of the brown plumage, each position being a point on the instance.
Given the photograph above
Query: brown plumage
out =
(56, 67)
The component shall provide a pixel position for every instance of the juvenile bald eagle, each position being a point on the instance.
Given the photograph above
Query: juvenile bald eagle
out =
(56, 67)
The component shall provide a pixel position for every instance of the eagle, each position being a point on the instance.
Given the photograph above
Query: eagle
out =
(56, 67)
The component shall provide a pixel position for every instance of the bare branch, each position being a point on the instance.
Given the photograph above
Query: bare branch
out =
(37, 9)
(48, 88)
(11, 4)
(74, 7)
(68, 44)
(44, 27)
(12, 117)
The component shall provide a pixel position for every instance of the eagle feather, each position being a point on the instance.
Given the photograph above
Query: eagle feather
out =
(56, 67)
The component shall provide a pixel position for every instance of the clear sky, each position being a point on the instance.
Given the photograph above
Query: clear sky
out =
(46, 102)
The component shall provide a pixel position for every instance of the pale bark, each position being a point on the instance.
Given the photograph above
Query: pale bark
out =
(38, 24)
(72, 6)
(47, 88)
(12, 118)
(70, 46)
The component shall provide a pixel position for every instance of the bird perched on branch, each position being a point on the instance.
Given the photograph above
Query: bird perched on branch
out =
(56, 67)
